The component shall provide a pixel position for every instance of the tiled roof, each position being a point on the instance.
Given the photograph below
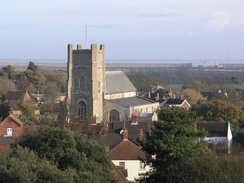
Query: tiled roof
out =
(215, 129)
(15, 119)
(118, 82)
(175, 101)
(131, 101)
(6, 140)
(118, 176)
(127, 150)
(16, 95)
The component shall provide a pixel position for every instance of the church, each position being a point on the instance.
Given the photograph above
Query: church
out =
(100, 96)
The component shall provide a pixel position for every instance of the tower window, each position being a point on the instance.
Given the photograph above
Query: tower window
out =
(114, 116)
(82, 111)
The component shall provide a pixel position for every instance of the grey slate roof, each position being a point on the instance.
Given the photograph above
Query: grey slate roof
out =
(131, 101)
(118, 82)
(214, 129)
(5, 140)
(16, 95)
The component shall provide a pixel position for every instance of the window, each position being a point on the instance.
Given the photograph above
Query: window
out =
(9, 131)
(82, 113)
(122, 164)
(114, 116)
(142, 166)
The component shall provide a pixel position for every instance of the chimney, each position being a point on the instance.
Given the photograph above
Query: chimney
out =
(157, 98)
(125, 134)
(141, 135)
(149, 94)
(181, 97)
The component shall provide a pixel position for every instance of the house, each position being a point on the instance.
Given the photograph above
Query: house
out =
(16, 97)
(126, 156)
(219, 133)
(175, 102)
(11, 128)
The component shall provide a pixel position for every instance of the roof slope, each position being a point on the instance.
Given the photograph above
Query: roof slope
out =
(15, 119)
(132, 101)
(127, 150)
(118, 82)
(174, 101)
(16, 95)
(215, 129)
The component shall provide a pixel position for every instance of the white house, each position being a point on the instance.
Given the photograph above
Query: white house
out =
(127, 155)
(219, 133)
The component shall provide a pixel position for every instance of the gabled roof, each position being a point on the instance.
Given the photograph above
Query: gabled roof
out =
(15, 119)
(132, 101)
(118, 82)
(127, 150)
(16, 95)
(215, 129)
(118, 176)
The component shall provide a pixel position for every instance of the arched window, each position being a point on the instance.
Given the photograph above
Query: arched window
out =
(82, 113)
(114, 116)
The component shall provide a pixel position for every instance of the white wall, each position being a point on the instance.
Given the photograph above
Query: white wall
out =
(133, 168)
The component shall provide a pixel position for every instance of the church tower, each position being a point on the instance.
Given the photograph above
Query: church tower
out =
(85, 83)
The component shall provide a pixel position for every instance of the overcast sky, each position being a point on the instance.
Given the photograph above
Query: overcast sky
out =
(130, 29)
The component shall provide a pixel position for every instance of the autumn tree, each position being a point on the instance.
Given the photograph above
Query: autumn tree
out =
(192, 95)
(170, 143)
(27, 109)
(221, 111)
(53, 92)
(6, 84)
(71, 151)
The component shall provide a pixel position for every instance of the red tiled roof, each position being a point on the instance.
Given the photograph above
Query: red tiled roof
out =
(14, 119)
(127, 150)
(118, 176)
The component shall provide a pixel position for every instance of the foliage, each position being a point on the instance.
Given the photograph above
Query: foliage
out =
(171, 142)
(59, 78)
(27, 109)
(69, 150)
(53, 92)
(32, 66)
(41, 119)
(9, 71)
(36, 78)
(8, 85)
(192, 96)
(143, 83)
(163, 93)
(196, 85)
(4, 110)
(220, 111)
(23, 165)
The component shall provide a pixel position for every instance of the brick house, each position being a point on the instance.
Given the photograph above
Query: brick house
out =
(11, 128)
(16, 97)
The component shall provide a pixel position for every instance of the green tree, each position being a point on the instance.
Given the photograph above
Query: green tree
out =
(4, 110)
(27, 109)
(9, 71)
(32, 66)
(70, 150)
(170, 143)
(36, 78)
(53, 92)
(220, 111)
(24, 166)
